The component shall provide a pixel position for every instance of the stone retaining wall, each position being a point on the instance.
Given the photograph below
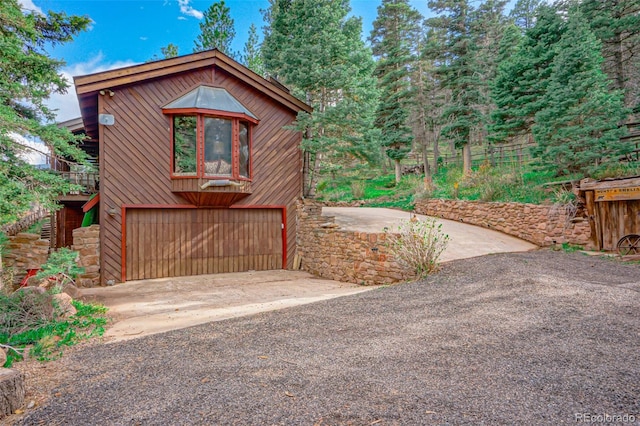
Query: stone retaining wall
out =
(539, 224)
(86, 241)
(25, 251)
(349, 256)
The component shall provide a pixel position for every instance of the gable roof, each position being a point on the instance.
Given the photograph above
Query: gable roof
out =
(213, 98)
(88, 86)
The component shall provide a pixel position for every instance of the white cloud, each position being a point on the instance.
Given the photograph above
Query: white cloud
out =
(66, 105)
(143, 38)
(28, 5)
(186, 9)
(181, 18)
(31, 150)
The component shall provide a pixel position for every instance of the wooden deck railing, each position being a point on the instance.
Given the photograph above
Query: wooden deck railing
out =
(88, 181)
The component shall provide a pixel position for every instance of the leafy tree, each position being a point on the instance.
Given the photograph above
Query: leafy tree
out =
(216, 30)
(169, 51)
(252, 56)
(459, 71)
(27, 79)
(578, 129)
(395, 30)
(315, 49)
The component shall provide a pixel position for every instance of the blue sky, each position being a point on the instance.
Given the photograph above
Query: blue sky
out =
(128, 32)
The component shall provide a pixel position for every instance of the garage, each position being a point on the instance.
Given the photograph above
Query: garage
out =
(180, 242)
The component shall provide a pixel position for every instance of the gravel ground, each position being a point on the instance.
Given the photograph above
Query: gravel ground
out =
(527, 338)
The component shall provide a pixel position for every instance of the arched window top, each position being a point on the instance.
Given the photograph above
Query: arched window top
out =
(209, 98)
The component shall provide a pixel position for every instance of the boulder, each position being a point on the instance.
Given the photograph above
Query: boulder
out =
(11, 391)
(65, 307)
(3, 357)
(71, 290)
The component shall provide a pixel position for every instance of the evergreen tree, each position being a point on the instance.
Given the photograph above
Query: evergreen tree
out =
(488, 26)
(524, 13)
(616, 23)
(216, 30)
(318, 51)
(578, 128)
(459, 72)
(395, 29)
(29, 76)
(523, 77)
(252, 56)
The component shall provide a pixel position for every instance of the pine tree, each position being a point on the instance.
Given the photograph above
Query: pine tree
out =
(459, 72)
(524, 13)
(29, 76)
(616, 23)
(578, 128)
(488, 26)
(317, 50)
(523, 76)
(394, 29)
(216, 30)
(252, 56)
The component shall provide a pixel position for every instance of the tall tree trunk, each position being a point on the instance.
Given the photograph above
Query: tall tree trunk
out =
(398, 170)
(428, 180)
(313, 178)
(436, 155)
(466, 159)
(385, 169)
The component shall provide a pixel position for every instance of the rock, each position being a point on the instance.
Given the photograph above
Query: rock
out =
(3, 357)
(48, 283)
(11, 391)
(64, 305)
(71, 290)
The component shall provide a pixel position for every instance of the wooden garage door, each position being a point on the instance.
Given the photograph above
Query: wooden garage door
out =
(179, 242)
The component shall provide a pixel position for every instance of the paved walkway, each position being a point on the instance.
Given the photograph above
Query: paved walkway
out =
(465, 240)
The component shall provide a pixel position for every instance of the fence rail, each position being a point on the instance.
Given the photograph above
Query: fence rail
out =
(87, 181)
(25, 222)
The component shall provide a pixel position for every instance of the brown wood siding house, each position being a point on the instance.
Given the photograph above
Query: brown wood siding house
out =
(167, 208)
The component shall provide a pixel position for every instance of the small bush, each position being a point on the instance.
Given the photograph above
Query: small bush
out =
(418, 244)
(61, 267)
(357, 189)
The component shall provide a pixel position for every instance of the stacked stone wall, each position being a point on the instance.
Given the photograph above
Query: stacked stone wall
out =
(25, 251)
(543, 225)
(348, 256)
(86, 241)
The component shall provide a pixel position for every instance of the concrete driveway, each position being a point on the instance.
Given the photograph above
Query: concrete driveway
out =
(465, 240)
(145, 307)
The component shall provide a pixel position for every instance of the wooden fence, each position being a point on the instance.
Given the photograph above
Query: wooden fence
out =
(25, 222)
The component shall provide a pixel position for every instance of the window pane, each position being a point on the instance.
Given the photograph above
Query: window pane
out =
(184, 145)
(244, 149)
(217, 147)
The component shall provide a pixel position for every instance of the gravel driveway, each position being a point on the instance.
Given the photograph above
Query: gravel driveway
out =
(527, 338)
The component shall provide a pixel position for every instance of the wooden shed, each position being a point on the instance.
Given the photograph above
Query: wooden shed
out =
(613, 207)
(198, 172)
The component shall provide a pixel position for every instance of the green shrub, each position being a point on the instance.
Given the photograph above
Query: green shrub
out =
(62, 267)
(42, 330)
(418, 244)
